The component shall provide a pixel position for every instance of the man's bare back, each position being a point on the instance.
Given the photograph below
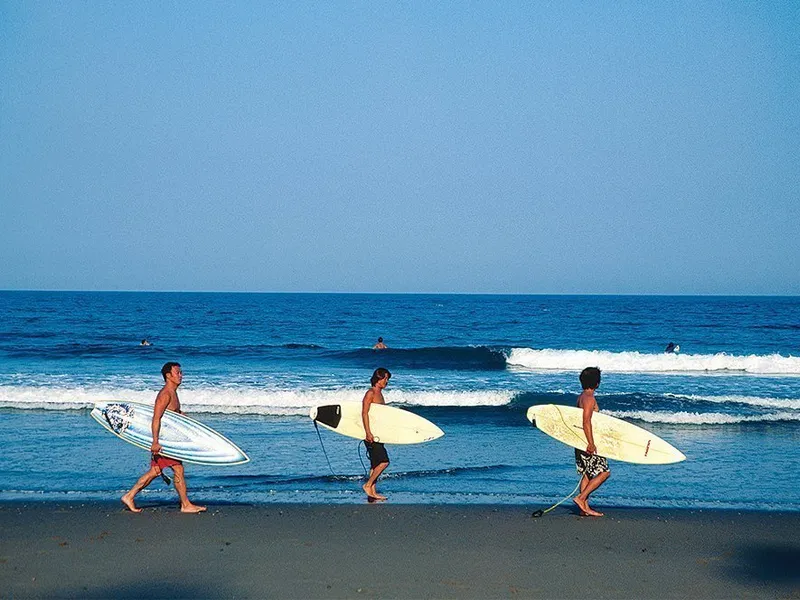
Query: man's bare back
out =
(593, 469)
(588, 399)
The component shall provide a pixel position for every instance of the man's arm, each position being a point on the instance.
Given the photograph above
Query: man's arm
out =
(162, 401)
(588, 411)
(365, 403)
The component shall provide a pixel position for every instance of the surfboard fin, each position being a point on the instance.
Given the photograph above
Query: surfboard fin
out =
(330, 415)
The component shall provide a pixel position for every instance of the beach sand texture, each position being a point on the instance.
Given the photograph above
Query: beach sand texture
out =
(95, 550)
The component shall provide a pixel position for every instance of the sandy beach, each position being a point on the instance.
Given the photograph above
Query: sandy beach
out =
(393, 551)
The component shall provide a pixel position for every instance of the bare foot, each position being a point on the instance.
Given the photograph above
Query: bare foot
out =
(592, 513)
(372, 493)
(127, 501)
(582, 505)
(192, 508)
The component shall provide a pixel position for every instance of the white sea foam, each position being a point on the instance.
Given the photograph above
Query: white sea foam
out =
(238, 400)
(692, 418)
(784, 403)
(636, 362)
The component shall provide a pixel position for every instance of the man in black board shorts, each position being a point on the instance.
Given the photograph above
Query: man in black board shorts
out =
(378, 457)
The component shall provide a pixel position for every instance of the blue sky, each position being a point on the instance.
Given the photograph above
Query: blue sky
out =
(401, 147)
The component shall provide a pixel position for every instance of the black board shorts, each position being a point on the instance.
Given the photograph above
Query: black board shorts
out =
(377, 453)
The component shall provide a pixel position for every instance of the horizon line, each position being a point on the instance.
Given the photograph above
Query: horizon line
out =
(340, 293)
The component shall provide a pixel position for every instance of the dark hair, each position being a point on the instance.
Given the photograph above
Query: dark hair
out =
(379, 374)
(590, 378)
(167, 368)
(380, 339)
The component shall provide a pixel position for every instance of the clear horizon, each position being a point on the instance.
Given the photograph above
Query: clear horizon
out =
(66, 291)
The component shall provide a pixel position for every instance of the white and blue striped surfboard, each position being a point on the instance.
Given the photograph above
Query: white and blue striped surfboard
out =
(181, 437)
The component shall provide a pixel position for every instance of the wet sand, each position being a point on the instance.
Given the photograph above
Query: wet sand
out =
(393, 551)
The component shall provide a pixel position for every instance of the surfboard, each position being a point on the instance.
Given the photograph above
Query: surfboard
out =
(181, 437)
(614, 438)
(389, 425)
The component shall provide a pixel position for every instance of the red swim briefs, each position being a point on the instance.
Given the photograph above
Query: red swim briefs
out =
(156, 460)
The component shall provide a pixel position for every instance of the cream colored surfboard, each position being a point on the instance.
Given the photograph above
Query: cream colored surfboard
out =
(389, 425)
(613, 437)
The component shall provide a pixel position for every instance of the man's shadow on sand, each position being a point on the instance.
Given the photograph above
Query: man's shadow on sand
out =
(766, 563)
(155, 589)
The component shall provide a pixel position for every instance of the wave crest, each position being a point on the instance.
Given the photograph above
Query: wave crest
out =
(691, 418)
(635, 362)
(245, 401)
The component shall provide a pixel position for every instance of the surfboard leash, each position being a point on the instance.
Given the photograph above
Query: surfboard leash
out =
(164, 476)
(363, 466)
(325, 452)
(538, 513)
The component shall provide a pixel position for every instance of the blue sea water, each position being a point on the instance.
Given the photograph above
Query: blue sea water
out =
(255, 363)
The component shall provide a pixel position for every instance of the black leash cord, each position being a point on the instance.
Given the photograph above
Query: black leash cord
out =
(363, 466)
(323, 448)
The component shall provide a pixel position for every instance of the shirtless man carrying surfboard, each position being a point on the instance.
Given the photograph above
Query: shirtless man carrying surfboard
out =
(378, 458)
(592, 468)
(167, 399)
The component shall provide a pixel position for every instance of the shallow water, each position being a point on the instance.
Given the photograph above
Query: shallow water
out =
(255, 363)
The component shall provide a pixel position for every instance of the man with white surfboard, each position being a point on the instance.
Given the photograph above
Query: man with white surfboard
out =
(593, 468)
(167, 399)
(378, 457)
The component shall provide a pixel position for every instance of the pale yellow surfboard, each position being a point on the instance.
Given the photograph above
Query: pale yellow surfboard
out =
(614, 438)
(389, 425)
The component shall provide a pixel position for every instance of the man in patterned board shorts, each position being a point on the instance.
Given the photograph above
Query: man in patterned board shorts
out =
(592, 468)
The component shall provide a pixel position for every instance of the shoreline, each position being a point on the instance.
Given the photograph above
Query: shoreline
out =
(564, 509)
(99, 550)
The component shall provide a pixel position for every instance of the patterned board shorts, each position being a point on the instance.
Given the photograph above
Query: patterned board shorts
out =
(590, 465)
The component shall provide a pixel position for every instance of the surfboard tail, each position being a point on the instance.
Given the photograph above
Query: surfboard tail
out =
(330, 415)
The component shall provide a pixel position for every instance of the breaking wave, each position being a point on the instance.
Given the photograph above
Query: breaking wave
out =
(693, 418)
(636, 362)
(244, 401)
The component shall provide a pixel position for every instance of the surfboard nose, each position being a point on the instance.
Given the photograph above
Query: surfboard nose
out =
(313, 413)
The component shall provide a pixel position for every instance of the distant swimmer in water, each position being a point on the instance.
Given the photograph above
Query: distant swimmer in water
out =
(145, 343)
(672, 348)
(380, 345)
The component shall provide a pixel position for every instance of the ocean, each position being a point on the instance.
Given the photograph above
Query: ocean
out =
(255, 363)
